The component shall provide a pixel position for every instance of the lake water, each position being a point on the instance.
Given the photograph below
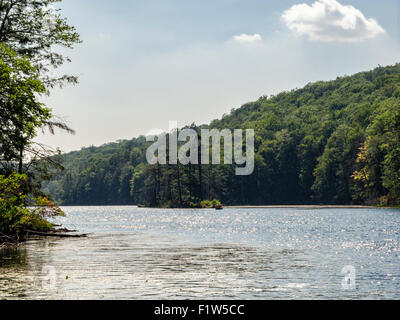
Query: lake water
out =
(134, 253)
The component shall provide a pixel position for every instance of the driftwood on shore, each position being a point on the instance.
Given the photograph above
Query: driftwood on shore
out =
(56, 233)
(28, 234)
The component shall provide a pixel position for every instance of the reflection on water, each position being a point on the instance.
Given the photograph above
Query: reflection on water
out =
(187, 254)
(12, 257)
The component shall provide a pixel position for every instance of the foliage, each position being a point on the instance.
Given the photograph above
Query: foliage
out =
(333, 142)
(30, 33)
(15, 217)
(20, 111)
(210, 204)
(380, 155)
(33, 29)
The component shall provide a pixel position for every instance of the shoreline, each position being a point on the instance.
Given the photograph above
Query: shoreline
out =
(12, 240)
(309, 207)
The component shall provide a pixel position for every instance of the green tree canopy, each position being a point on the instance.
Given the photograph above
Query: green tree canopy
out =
(21, 113)
(335, 142)
(34, 29)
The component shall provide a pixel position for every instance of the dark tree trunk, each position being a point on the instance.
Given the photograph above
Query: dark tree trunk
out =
(21, 160)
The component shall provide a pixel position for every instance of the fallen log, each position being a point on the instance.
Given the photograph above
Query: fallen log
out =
(56, 234)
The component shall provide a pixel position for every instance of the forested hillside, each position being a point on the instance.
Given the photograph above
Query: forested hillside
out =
(335, 142)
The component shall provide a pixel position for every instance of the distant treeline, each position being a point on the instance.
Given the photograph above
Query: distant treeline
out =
(335, 142)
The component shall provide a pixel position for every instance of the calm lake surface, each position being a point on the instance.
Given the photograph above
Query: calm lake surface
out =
(134, 253)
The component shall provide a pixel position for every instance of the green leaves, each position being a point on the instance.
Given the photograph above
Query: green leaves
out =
(21, 112)
(15, 216)
(29, 32)
(382, 154)
(33, 28)
(307, 151)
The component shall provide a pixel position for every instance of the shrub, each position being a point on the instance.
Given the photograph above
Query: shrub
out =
(16, 218)
(207, 204)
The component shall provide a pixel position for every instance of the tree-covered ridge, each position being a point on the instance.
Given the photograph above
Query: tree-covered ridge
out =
(335, 142)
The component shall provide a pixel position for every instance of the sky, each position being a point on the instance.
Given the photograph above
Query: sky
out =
(144, 63)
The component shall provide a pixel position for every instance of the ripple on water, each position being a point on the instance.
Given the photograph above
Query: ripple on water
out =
(187, 254)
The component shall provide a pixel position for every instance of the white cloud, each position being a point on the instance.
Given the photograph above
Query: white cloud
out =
(329, 20)
(247, 38)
